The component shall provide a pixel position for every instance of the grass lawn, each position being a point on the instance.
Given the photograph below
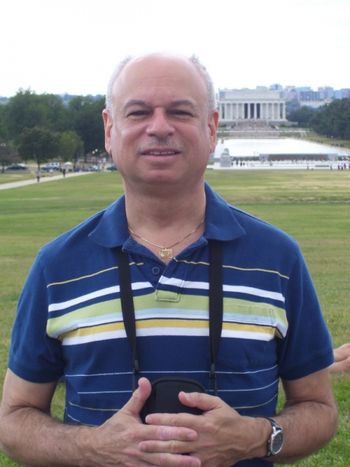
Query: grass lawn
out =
(9, 177)
(313, 206)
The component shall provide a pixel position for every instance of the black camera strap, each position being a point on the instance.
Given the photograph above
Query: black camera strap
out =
(215, 307)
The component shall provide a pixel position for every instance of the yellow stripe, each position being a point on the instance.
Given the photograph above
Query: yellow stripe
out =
(93, 330)
(87, 276)
(238, 268)
(162, 323)
(172, 323)
(202, 263)
(270, 271)
(249, 328)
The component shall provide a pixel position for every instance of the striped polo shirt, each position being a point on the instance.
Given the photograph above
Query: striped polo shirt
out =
(69, 321)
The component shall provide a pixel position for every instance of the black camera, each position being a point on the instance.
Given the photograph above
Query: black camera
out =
(164, 397)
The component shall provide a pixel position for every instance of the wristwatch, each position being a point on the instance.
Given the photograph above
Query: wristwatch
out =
(275, 441)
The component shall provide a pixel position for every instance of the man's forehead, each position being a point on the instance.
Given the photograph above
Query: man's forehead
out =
(165, 69)
(159, 61)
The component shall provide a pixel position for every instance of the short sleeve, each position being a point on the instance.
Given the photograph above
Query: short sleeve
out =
(307, 347)
(34, 356)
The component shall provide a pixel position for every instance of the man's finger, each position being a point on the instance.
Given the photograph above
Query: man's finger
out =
(200, 400)
(139, 397)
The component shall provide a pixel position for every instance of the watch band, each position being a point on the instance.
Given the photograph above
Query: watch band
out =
(275, 441)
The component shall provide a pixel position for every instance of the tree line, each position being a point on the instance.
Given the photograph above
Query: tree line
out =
(332, 120)
(43, 127)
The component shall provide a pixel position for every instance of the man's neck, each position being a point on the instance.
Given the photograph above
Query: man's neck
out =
(160, 210)
(166, 219)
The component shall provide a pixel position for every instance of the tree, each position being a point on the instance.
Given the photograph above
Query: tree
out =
(333, 119)
(3, 127)
(86, 121)
(82, 115)
(292, 106)
(71, 146)
(7, 155)
(302, 116)
(28, 110)
(38, 144)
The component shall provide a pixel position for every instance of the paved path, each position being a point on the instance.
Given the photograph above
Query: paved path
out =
(32, 181)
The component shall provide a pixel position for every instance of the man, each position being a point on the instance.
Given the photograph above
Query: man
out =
(160, 127)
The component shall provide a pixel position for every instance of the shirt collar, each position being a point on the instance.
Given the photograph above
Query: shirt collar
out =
(112, 229)
(221, 223)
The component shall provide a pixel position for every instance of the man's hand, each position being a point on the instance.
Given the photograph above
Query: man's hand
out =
(342, 359)
(118, 440)
(224, 437)
(25, 421)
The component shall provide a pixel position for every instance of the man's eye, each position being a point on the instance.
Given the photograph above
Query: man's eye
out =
(137, 113)
(181, 113)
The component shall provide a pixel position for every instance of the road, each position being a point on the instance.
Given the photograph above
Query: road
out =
(32, 181)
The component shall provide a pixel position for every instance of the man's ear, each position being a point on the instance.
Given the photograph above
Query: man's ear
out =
(107, 123)
(213, 123)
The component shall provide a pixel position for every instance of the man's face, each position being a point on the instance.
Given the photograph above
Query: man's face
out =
(160, 130)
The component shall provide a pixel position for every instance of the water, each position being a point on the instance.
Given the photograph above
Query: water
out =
(285, 146)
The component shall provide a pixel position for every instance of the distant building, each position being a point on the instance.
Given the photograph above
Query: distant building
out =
(251, 105)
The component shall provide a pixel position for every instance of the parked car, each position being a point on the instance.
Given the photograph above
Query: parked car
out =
(16, 167)
(51, 167)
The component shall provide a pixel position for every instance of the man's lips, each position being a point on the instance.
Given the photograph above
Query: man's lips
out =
(159, 152)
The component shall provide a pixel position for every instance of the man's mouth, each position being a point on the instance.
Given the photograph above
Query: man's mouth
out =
(160, 152)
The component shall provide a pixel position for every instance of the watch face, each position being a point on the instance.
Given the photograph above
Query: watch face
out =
(277, 442)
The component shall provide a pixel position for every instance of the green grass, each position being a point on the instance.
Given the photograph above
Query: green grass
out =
(313, 206)
(9, 177)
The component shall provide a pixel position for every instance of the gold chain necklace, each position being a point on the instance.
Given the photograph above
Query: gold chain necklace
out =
(166, 251)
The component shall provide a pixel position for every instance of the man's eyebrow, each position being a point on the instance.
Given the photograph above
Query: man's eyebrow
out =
(174, 103)
(132, 102)
(183, 102)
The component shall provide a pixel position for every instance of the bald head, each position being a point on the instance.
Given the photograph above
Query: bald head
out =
(181, 61)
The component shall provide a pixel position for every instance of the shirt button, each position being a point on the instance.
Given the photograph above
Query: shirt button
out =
(156, 270)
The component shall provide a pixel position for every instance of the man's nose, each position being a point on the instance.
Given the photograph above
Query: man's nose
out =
(159, 125)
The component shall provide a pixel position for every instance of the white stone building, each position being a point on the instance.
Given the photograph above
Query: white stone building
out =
(251, 105)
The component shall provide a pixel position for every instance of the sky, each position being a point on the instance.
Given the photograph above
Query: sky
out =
(72, 46)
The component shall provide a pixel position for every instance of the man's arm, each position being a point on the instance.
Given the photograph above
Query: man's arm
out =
(25, 420)
(31, 436)
(224, 437)
(309, 417)
(342, 359)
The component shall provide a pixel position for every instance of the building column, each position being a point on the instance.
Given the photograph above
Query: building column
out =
(222, 112)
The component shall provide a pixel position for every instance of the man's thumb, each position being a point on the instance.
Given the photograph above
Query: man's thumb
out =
(139, 397)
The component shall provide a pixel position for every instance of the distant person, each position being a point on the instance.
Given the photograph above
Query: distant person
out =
(173, 250)
(64, 172)
(342, 359)
(38, 175)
